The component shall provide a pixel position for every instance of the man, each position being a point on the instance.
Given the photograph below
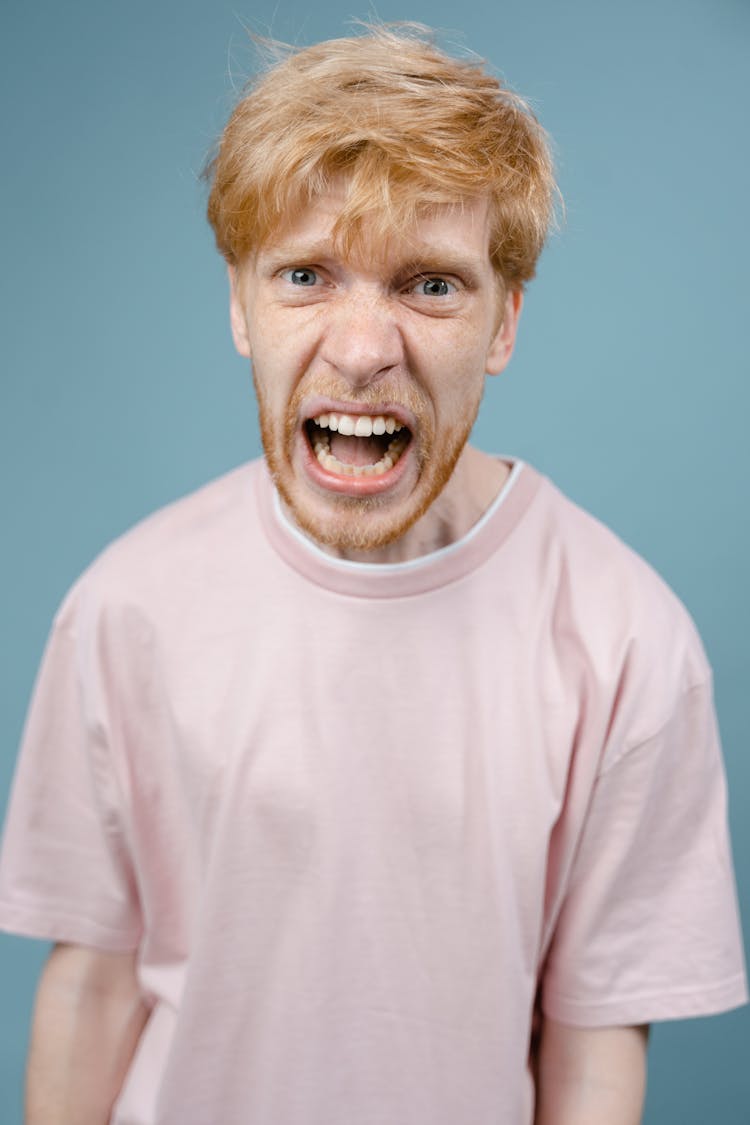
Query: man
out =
(375, 782)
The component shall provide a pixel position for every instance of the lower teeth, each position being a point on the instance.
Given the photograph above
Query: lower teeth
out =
(333, 465)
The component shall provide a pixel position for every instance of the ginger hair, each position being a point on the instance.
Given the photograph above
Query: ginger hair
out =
(404, 125)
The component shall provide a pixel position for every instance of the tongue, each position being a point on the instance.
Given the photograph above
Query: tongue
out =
(356, 450)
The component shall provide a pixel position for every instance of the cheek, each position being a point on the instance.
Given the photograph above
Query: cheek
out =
(463, 349)
(271, 369)
(461, 381)
(269, 392)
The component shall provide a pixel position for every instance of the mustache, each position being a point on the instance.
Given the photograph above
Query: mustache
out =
(388, 389)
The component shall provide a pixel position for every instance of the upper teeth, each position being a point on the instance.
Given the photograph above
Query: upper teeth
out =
(359, 425)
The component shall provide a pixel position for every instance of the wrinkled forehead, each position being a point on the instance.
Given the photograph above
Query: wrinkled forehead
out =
(400, 230)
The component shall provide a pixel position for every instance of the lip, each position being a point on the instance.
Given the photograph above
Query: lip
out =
(340, 483)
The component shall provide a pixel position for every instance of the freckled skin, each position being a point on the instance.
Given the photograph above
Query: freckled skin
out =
(368, 333)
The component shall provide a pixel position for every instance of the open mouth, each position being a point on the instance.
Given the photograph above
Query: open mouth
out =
(357, 445)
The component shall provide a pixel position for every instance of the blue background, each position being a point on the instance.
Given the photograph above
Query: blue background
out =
(121, 391)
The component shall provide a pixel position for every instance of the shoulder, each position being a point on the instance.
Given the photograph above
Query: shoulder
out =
(158, 565)
(607, 582)
(613, 613)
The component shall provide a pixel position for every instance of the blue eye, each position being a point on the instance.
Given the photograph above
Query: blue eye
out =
(302, 276)
(435, 287)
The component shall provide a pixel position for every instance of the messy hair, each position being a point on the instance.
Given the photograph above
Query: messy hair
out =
(403, 125)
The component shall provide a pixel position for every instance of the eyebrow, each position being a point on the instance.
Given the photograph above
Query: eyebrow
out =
(282, 253)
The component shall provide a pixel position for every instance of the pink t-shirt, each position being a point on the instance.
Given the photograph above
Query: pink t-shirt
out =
(353, 817)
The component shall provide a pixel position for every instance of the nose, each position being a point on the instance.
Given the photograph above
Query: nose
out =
(362, 340)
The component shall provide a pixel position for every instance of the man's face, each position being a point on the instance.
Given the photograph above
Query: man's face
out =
(369, 369)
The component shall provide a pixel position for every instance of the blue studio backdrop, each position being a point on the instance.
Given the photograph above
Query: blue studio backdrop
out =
(629, 387)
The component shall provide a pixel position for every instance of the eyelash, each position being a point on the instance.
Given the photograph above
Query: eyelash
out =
(422, 279)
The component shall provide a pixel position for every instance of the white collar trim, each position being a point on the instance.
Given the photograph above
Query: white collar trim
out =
(349, 565)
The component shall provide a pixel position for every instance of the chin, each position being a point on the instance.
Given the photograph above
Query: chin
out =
(346, 523)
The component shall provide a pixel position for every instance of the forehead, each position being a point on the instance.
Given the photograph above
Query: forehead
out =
(443, 232)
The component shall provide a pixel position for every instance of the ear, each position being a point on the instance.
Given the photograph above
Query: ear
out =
(237, 316)
(501, 347)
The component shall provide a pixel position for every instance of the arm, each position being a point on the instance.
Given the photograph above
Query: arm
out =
(591, 1076)
(88, 1018)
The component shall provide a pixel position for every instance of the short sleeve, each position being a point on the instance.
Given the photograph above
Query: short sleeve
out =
(65, 872)
(649, 929)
